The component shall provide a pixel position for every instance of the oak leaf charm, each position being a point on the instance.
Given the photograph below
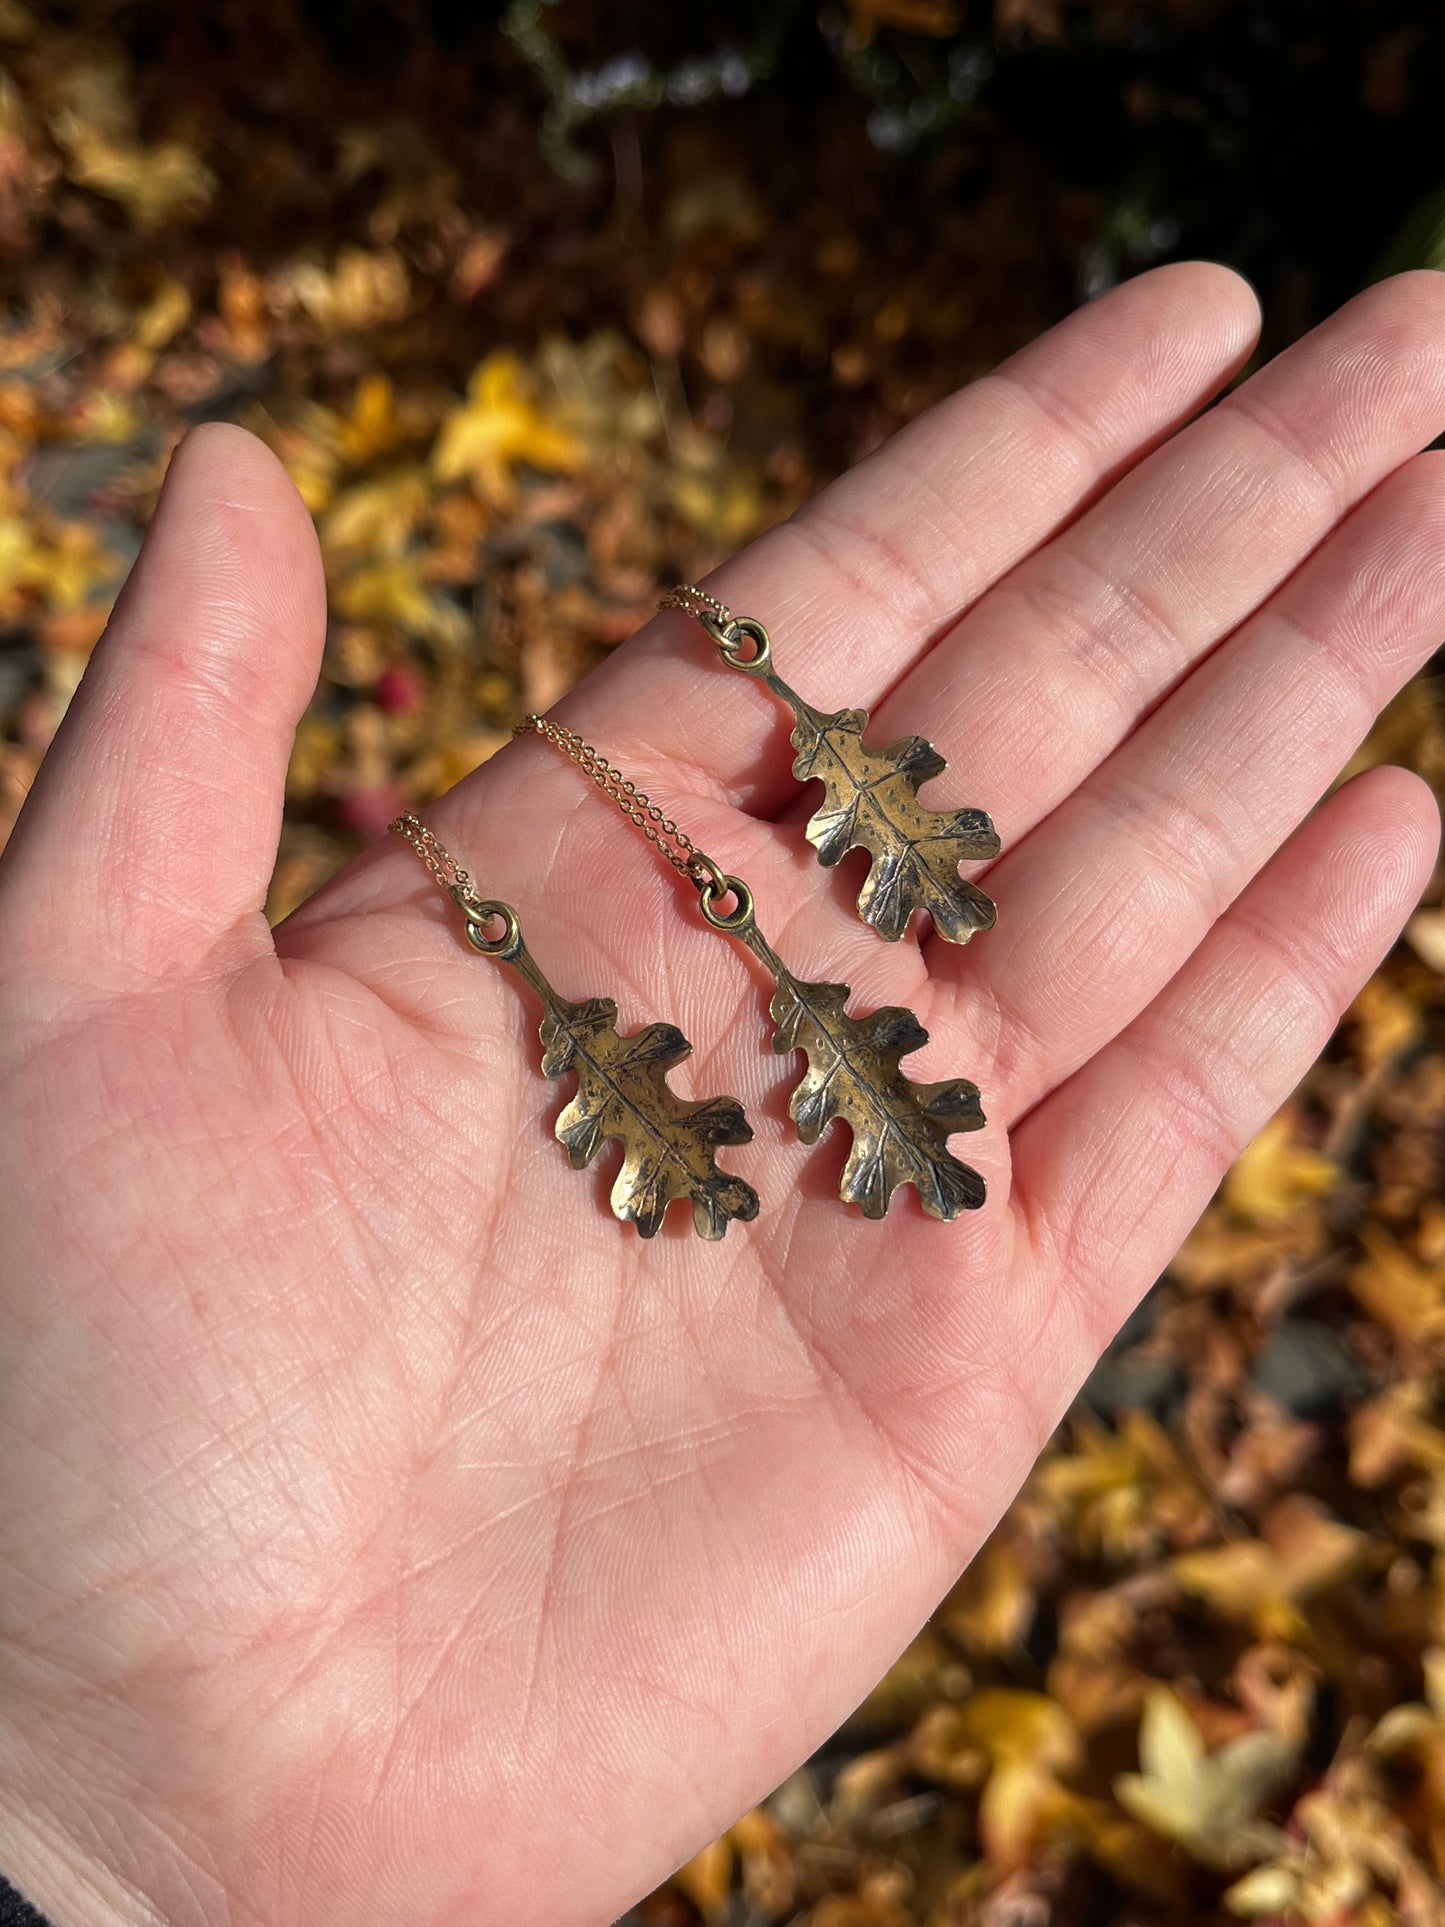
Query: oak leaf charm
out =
(872, 804)
(900, 1129)
(622, 1092)
(668, 1142)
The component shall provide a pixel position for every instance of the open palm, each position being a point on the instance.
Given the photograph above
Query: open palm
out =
(386, 1532)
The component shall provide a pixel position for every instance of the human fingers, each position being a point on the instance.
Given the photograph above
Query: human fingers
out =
(1113, 1168)
(1105, 901)
(1052, 669)
(860, 581)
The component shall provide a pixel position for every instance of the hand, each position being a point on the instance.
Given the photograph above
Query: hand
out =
(387, 1533)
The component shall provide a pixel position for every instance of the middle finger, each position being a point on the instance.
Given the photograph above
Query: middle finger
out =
(1105, 903)
(1055, 666)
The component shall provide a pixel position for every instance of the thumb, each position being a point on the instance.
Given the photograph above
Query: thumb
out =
(153, 823)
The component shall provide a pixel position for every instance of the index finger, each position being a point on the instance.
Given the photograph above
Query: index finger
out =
(858, 584)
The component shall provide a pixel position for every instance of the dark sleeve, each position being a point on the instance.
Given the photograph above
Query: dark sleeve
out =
(15, 1912)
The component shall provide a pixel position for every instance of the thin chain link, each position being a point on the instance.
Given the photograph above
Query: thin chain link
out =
(639, 809)
(743, 643)
(698, 604)
(438, 859)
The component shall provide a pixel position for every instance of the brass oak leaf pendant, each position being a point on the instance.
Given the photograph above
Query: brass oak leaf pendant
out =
(900, 1129)
(668, 1142)
(872, 804)
(871, 801)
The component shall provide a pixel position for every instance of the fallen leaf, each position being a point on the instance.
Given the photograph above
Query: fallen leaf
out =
(1267, 1582)
(1425, 934)
(1277, 1173)
(393, 592)
(499, 429)
(1208, 1803)
(1407, 1297)
(94, 124)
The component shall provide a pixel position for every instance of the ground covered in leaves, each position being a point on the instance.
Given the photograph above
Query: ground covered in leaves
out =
(1199, 1672)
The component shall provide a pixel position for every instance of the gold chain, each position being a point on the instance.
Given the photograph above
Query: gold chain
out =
(743, 642)
(701, 606)
(439, 860)
(639, 809)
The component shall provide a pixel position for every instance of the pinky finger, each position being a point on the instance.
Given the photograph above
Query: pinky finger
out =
(1113, 1168)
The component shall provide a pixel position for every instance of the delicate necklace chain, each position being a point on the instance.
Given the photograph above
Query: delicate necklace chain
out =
(438, 859)
(639, 809)
(715, 616)
(743, 643)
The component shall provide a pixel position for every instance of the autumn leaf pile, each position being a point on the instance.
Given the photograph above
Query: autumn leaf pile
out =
(1198, 1674)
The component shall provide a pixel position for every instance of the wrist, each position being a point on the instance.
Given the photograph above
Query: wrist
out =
(56, 1886)
(64, 1842)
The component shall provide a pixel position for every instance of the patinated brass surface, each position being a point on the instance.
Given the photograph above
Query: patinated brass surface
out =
(900, 1129)
(668, 1142)
(872, 804)
(871, 796)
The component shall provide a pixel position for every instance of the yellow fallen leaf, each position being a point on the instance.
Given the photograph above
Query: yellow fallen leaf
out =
(1125, 1492)
(1019, 1806)
(1276, 1889)
(723, 506)
(926, 1671)
(765, 1861)
(54, 566)
(1242, 1578)
(499, 428)
(1010, 1726)
(864, 1909)
(1407, 1297)
(76, 566)
(379, 516)
(106, 415)
(707, 1878)
(1425, 934)
(393, 592)
(1268, 1581)
(1208, 1803)
(94, 125)
(375, 425)
(1394, 1433)
(865, 1783)
(357, 291)
(1385, 1022)
(310, 458)
(1013, 1743)
(1418, 1727)
(1222, 1251)
(456, 758)
(1276, 1173)
(163, 316)
(315, 753)
(1348, 1862)
(242, 302)
(991, 1607)
(609, 404)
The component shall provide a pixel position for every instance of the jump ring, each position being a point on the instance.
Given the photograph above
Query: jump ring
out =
(746, 629)
(707, 874)
(733, 921)
(479, 915)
